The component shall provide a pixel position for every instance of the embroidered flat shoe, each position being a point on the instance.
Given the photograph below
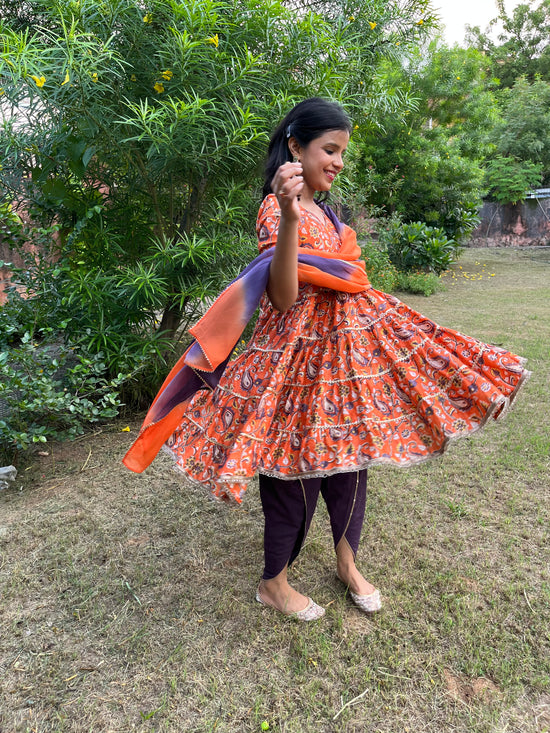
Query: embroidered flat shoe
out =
(311, 612)
(369, 603)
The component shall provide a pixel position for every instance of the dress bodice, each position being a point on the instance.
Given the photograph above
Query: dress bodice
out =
(313, 232)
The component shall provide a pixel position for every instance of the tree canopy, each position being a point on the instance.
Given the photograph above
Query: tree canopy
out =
(138, 130)
(522, 43)
(524, 130)
(427, 165)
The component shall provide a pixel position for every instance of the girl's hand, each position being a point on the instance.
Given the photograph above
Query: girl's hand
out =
(287, 185)
(282, 286)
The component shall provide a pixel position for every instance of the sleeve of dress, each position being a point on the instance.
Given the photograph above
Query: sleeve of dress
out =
(267, 223)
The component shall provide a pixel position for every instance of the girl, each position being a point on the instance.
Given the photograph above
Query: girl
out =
(337, 376)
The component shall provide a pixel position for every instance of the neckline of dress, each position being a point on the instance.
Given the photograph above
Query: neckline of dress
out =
(321, 221)
(327, 222)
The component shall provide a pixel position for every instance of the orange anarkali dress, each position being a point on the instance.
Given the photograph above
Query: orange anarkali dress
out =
(337, 383)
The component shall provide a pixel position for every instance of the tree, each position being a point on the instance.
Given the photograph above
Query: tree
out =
(427, 166)
(520, 60)
(521, 48)
(508, 179)
(524, 130)
(138, 132)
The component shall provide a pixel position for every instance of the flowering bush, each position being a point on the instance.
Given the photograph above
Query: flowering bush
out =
(140, 125)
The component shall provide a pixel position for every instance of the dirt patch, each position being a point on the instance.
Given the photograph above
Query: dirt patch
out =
(469, 690)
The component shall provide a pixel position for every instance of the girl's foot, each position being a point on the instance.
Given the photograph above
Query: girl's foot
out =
(365, 596)
(350, 576)
(282, 597)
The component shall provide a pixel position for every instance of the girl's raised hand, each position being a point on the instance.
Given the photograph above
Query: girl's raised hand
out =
(287, 185)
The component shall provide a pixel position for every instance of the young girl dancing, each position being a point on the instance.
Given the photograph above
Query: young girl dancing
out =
(336, 377)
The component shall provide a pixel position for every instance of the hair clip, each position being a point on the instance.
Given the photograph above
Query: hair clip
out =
(288, 131)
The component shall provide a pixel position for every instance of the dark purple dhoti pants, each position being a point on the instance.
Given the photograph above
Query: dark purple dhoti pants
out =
(288, 510)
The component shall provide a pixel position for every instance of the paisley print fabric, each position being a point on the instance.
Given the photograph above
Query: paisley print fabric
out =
(338, 383)
(217, 332)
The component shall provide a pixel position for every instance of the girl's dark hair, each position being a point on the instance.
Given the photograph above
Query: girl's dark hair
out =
(306, 121)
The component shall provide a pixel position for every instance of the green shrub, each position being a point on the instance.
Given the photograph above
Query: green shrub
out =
(416, 246)
(381, 271)
(50, 391)
(460, 221)
(144, 125)
(421, 283)
(102, 310)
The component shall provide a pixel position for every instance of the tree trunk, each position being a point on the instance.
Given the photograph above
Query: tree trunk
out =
(171, 319)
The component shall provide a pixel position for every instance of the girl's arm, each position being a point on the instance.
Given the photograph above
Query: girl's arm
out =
(282, 286)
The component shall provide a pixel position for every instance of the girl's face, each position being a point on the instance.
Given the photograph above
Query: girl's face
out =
(322, 159)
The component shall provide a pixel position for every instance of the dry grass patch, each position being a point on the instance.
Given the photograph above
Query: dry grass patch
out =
(128, 601)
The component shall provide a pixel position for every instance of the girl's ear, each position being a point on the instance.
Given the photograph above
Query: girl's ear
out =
(294, 147)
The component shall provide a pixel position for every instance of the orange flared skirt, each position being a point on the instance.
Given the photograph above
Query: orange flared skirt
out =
(337, 383)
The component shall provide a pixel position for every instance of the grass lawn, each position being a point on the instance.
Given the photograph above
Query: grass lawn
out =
(127, 602)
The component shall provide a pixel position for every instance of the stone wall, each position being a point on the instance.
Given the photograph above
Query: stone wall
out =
(513, 225)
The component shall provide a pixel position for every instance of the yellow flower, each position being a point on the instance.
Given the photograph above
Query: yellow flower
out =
(356, 127)
(167, 75)
(148, 18)
(372, 25)
(125, 430)
(66, 80)
(40, 80)
(1, 93)
(214, 39)
(420, 22)
(159, 87)
(133, 77)
(458, 77)
(351, 18)
(94, 76)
